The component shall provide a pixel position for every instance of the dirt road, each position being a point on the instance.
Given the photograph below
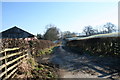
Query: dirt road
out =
(72, 65)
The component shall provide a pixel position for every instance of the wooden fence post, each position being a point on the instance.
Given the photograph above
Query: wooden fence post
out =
(5, 64)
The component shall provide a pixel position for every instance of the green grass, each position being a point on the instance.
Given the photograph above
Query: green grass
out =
(45, 51)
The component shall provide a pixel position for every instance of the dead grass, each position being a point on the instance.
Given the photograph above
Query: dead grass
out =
(24, 70)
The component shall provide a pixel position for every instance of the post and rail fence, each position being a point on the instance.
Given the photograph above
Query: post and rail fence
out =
(10, 59)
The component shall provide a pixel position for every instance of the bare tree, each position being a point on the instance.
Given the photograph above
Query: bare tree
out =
(68, 34)
(110, 27)
(88, 30)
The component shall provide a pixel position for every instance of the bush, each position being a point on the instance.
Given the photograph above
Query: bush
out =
(39, 46)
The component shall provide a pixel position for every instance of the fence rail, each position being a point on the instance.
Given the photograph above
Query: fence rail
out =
(9, 60)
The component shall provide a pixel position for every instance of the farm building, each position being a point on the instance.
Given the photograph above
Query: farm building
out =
(16, 32)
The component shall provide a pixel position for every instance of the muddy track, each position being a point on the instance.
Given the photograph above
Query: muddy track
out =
(72, 65)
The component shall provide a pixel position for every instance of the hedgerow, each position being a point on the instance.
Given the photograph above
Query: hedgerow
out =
(97, 46)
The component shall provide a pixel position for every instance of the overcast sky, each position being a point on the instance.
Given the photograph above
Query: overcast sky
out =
(67, 16)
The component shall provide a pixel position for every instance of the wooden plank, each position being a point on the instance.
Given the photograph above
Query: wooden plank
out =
(9, 49)
(10, 68)
(3, 73)
(11, 73)
(10, 62)
(1, 58)
(2, 52)
(13, 54)
(1, 67)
